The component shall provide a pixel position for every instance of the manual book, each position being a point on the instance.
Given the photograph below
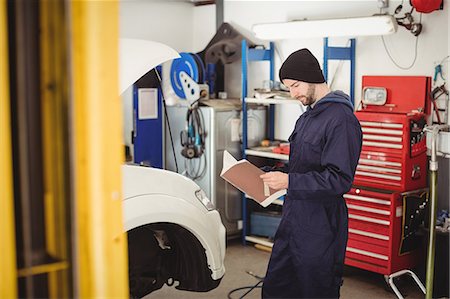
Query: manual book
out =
(245, 176)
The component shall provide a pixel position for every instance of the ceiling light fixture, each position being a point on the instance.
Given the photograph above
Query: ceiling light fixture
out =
(351, 27)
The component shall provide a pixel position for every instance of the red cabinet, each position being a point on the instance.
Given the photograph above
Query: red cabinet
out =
(383, 211)
(393, 155)
(379, 238)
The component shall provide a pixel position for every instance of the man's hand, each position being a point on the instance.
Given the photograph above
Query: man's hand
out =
(276, 179)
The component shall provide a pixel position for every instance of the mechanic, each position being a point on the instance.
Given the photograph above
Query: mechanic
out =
(309, 247)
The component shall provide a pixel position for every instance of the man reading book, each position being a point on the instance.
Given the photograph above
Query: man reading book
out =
(309, 247)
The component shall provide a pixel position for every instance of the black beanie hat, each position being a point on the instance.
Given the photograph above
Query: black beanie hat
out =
(302, 66)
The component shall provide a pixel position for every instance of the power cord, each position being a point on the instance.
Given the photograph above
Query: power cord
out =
(167, 120)
(197, 173)
(258, 285)
(415, 51)
(195, 136)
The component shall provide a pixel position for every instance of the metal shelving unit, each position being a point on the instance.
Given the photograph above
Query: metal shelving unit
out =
(252, 55)
(258, 54)
(271, 101)
(267, 152)
(341, 53)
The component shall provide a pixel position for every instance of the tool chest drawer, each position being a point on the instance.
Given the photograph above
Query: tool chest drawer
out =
(380, 228)
(370, 253)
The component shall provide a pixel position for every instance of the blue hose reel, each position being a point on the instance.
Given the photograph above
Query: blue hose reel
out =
(192, 65)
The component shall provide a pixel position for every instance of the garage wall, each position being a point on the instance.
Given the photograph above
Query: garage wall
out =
(167, 22)
(371, 57)
(185, 27)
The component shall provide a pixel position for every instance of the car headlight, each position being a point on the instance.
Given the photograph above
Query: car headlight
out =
(201, 196)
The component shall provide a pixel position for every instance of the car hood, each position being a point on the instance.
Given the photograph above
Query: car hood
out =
(140, 180)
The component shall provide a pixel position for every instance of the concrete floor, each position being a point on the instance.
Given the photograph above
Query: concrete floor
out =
(239, 259)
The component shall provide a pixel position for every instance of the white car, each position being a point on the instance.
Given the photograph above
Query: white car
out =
(175, 236)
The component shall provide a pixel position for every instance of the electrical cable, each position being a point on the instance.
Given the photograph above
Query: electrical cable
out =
(444, 59)
(415, 51)
(167, 120)
(250, 288)
(195, 120)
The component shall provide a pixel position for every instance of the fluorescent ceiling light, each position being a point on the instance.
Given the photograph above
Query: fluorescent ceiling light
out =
(352, 27)
(137, 57)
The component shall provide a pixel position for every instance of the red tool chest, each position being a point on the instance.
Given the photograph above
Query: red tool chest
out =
(393, 155)
(383, 216)
(380, 226)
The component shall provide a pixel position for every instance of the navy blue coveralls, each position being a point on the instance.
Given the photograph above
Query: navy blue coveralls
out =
(309, 247)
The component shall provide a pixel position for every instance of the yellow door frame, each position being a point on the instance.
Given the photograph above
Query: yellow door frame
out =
(8, 265)
(100, 240)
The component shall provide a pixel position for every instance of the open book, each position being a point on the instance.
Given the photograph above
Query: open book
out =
(245, 176)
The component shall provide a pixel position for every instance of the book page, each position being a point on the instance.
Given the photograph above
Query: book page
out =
(246, 177)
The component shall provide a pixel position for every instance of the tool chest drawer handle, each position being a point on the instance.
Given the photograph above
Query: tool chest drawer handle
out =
(376, 162)
(381, 125)
(368, 199)
(377, 175)
(368, 253)
(366, 209)
(382, 131)
(382, 138)
(368, 234)
(378, 168)
(368, 219)
(382, 144)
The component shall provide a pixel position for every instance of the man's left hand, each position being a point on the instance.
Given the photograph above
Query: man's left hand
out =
(276, 179)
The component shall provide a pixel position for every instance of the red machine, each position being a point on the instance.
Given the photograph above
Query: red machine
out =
(393, 155)
(383, 217)
(381, 230)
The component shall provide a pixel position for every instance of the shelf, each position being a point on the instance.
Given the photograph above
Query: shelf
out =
(259, 240)
(266, 154)
(272, 101)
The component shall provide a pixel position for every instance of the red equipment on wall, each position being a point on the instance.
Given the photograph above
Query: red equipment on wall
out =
(383, 217)
(426, 6)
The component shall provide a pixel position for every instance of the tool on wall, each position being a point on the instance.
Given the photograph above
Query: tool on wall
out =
(193, 143)
(427, 6)
(439, 92)
(196, 76)
(187, 76)
(421, 6)
(207, 66)
(193, 137)
(407, 21)
(415, 27)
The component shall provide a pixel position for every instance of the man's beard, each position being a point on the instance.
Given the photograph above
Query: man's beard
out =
(308, 99)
